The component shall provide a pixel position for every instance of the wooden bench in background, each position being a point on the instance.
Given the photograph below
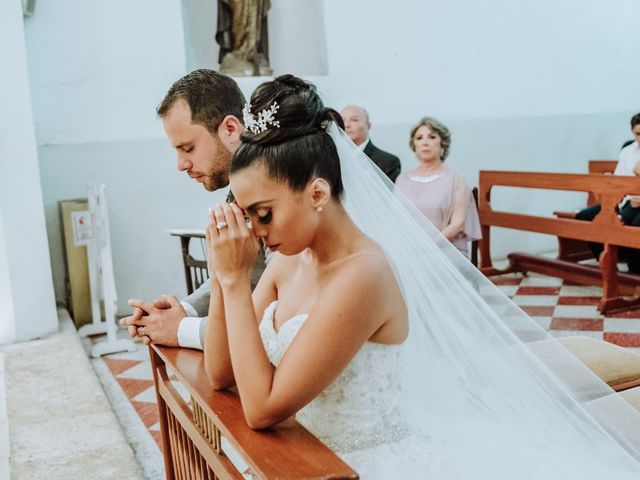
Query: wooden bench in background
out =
(196, 271)
(620, 290)
(192, 432)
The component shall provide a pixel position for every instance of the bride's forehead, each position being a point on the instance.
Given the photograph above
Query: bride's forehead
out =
(254, 184)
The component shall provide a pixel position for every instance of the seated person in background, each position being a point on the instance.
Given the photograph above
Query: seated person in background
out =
(629, 208)
(440, 192)
(357, 126)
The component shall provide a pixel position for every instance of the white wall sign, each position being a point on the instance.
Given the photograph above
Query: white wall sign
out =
(82, 230)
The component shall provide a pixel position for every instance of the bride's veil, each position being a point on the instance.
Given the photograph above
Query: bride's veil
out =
(479, 376)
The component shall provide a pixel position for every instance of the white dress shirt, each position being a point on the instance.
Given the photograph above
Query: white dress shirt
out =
(629, 158)
(627, 161)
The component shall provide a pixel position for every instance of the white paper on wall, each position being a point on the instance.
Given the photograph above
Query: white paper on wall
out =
(82, 229)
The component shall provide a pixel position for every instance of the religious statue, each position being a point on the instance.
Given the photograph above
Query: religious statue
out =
(243, 39)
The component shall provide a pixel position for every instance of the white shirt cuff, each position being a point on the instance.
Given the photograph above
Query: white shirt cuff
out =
(189, 310)
(189, 332)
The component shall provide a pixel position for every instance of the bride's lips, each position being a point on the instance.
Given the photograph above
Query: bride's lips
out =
(274, 247)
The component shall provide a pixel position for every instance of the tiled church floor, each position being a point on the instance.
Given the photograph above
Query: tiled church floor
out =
(563, 309)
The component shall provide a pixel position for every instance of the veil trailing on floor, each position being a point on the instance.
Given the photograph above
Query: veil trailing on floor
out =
(479, 376)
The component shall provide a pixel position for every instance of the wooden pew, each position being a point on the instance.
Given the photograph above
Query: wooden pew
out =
(192, 432)
(576, 250)
(606, 228)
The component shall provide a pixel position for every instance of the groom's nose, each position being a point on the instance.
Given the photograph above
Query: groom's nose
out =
(184, 163)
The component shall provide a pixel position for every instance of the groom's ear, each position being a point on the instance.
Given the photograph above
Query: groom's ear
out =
(320, 192)
(229, 132)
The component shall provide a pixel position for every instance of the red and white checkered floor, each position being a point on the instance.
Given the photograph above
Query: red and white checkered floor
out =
(560, 307)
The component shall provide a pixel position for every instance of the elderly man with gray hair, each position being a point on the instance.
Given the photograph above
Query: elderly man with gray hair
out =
(357, 126)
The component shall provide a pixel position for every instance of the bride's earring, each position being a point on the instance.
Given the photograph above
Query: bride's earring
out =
(319, 209)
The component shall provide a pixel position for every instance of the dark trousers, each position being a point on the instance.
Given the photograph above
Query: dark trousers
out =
(630, 216)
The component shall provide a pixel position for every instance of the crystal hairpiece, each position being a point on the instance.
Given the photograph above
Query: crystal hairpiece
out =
(265, 117)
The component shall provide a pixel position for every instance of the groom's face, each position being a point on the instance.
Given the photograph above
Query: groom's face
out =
(201, 154)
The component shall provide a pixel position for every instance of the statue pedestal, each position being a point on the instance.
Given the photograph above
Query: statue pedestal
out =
(234, 66)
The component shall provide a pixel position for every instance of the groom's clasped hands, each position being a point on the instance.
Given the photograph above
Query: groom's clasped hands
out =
(232, 246)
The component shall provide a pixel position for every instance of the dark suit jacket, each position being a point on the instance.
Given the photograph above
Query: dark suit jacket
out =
(389, 164)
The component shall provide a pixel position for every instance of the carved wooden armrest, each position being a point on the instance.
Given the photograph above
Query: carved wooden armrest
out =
(197, 436)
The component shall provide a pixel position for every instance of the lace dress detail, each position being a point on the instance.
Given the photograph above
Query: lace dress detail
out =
(364, 396)
(357, 415)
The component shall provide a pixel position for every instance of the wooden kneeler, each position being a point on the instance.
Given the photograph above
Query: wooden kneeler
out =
(194, 433)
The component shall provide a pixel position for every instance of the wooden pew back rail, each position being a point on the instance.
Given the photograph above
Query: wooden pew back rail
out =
(606, 228)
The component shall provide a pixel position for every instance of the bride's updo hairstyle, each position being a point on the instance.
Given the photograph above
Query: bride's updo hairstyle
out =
(299, 149)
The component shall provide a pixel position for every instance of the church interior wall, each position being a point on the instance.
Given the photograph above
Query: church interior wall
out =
(523, 86)
(26, 295)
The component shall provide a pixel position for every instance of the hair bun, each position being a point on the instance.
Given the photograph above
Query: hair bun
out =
(300, 110)
(294, 82)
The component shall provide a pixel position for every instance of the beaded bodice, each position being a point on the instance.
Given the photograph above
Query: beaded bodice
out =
(360, 408)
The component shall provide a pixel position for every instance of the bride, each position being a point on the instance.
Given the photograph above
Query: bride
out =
(375, 333)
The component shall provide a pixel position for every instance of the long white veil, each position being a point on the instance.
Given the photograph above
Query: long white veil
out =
(479, 376)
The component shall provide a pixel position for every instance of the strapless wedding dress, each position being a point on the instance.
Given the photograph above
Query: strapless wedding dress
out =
(358, 414)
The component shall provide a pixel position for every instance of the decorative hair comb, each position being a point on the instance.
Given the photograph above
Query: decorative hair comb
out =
(265, 118)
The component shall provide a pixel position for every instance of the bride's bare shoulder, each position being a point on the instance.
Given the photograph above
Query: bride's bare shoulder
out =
(369, 261)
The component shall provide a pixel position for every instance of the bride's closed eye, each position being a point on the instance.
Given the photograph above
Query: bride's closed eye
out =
(264, 218)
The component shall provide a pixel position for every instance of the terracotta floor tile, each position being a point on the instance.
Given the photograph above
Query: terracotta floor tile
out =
(538, 290)
(623, 339)
(563, 323)
(148, 412)
(118, 366)
(578, 300)
(537, 311)
(132, 387)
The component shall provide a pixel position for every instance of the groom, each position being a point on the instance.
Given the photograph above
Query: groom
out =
(201, 115)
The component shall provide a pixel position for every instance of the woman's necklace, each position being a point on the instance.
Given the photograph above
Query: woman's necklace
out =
(428, 172)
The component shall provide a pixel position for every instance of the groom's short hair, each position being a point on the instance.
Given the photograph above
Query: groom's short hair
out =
(211, 96)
